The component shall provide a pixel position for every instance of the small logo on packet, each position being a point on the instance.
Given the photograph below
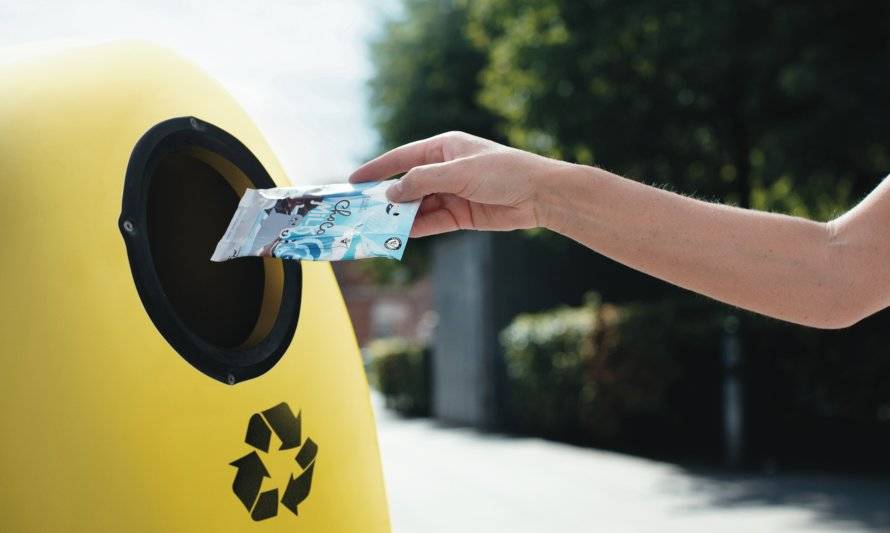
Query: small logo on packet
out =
(393, 243)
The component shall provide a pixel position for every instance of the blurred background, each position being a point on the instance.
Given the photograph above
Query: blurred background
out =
(525, 383)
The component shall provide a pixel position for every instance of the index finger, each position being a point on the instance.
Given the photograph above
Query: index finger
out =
(401, 159)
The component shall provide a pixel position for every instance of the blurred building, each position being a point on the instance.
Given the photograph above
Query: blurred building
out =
(386, 311)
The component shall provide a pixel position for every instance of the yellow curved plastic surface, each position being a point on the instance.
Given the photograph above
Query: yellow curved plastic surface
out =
(105, 426)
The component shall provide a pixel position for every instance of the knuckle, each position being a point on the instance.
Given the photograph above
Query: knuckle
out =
(453, 143)
(435, 151)
(454, 135)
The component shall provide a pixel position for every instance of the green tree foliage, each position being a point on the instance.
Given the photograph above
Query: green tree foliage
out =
(425, 82)
(775, 104)
(426, 75)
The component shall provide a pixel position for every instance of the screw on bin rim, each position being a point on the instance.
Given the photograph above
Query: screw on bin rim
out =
(197, 124)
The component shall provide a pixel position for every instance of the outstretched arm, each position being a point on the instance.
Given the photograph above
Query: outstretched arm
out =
(827, 275)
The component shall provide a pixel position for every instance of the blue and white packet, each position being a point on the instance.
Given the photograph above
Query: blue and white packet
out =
(338, 222)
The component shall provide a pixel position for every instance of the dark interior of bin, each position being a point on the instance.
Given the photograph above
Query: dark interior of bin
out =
(189, 207)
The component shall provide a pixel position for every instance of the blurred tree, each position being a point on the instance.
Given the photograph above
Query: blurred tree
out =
(427, 75)
(772, 104)
(425, 82)
(776, 105)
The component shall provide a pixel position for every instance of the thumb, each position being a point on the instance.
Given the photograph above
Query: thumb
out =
(428, 179)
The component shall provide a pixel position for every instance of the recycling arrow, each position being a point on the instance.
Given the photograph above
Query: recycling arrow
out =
(248, 482)
(285, 425)
(266, 505)
(297, 489)
(258, 433)
(249, 478)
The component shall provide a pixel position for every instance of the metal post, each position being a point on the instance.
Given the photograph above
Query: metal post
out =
(733, 394)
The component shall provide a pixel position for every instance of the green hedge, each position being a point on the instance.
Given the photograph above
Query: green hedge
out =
(648, 378)
(581, 372)
(400, 369)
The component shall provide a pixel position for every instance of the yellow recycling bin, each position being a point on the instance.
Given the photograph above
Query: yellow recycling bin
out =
(144, 388)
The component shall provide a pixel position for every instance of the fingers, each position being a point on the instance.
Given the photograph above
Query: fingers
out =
(401, 159)
(450, 177)
(433, 223)
(430, 204)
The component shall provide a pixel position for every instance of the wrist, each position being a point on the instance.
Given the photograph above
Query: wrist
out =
(558, 191)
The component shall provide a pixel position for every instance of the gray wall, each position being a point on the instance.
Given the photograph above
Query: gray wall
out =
(480, 281)
(465, 342)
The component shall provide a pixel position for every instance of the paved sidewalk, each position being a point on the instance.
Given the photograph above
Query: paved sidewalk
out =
(461, 481)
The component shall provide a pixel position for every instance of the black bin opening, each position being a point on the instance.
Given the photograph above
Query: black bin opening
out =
(189, 207)
(232, 320)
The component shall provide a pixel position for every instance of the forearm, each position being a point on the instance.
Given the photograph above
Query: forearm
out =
(781, 266)
(820, 274)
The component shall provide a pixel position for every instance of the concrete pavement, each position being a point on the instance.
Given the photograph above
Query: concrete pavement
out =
(458, 480)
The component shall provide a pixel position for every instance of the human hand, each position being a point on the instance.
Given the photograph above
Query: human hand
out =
(464, 181)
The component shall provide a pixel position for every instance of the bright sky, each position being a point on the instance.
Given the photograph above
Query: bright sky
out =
(299, 67)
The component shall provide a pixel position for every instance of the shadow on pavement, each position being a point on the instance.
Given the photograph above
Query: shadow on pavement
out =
(836, 498)
(486, 473)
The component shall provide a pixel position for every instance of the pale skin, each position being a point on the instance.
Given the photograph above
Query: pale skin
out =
(821, 274)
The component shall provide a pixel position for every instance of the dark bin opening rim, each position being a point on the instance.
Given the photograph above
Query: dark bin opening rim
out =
(279, 313)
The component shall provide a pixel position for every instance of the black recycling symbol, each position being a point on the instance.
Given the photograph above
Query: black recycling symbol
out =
(251, 470)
